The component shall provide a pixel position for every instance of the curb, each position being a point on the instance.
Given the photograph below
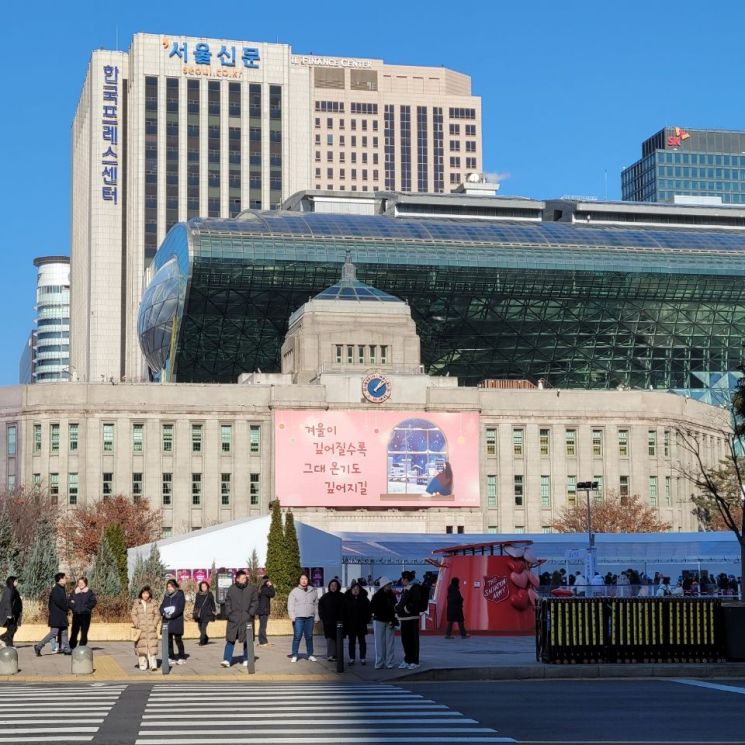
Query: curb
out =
(576, 672)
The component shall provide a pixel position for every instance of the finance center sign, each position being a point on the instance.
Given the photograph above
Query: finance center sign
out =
(212, 60)
(311, 61)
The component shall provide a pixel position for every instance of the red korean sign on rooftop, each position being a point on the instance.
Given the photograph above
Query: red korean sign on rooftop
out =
(376, 458)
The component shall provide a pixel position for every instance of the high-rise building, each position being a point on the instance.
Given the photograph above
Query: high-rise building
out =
(46, 355)
(688, 166)
(180, 127)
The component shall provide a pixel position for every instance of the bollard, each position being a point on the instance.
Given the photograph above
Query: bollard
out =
(81, 660)
(250, 659)
(339, 647)
(165, 665)
(8, 661)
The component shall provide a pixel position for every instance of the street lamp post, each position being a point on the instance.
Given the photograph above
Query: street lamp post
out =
(589, 486)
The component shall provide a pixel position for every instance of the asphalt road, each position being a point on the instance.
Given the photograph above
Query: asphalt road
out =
(633, 712)
(602, 711)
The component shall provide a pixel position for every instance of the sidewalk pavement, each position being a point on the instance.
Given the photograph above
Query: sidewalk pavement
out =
(476, 658)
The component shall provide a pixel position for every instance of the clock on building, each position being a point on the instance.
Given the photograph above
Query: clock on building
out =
(376, 388)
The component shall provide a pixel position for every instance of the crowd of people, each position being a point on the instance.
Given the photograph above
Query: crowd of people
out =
(388, 610)
(633, 583)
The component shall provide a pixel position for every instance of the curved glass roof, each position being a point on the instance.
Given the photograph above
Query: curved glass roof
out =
(464, 232)
(351, 288)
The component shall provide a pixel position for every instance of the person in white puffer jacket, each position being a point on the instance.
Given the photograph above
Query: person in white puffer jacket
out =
(302, 607)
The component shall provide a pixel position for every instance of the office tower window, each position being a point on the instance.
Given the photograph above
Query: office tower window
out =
(454, 130)
(405, 129)
(225, 489)
(254, 488)
(107, 485)
(389, 139)
(72, 488)
(571, 491)
(234, 148)
(12, 440)
(136, 487)
(652, 442)
(72, 437)
(172, 159)
(421, 147)
(438, 149)
(597, 443)
(108, 438)
(491, 441)
(37, 438)
(54, 438)
(491, 490)
(196, 438)
(470, 130)
(213, 148)
(196, 489)
(623, 443)
(255, 435)
(138, 436)
(545, 491)
(192, 147)
(518, 437)
(544, 442)
(166, 488)
(151, 167)
(518, 490)
(570, 436)
(226, 437)
(623, 486)
(275, 146)
(167, 438)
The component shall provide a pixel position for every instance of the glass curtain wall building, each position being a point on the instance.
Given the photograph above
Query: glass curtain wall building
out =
(578, 305)
(678, 165)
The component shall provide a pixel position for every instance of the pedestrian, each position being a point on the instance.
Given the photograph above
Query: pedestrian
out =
(331, 612)
(455, 610)
(57, 605)
(383, 608)
(11, 610)
(82, 601)
(266, 593)
(302, 607)
(241, 604)
(204, 610)
(172, 610)
(146, 620)
(356, 617)
(407, 611)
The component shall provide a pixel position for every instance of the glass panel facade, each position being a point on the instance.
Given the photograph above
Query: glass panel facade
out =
(172, 159)
(234, 148)
(404, 113)
(389, 137)
(193, 134)
(594, 307)
(422, 149)
(254, 145)
(213, 148)
(275, 146)
(438, 150)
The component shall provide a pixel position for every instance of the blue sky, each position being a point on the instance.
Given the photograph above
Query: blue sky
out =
(569, 90)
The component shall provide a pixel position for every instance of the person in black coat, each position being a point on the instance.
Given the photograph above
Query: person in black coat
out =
(172, 610)
(204, 610)
(82, 602)
(11, 609)
(455, 610)
(241, 604)
(266, 593)
(57, 615)
(357, 615)
(331, 612)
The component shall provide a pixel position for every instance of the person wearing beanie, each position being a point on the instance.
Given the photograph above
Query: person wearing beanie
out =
(383, 609)
(11, 609)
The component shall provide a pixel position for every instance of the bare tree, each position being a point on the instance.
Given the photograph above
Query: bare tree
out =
(721, 488)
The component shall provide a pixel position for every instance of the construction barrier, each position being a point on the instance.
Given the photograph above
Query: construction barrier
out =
(628, 630)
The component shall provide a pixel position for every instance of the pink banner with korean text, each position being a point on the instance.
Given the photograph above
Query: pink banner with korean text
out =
(376, 458)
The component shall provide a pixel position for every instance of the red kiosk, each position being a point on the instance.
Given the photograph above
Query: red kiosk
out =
(498, 588)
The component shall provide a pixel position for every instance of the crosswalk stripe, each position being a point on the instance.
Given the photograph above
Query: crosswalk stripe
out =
(397, 740)
(315, 721)
(47, 738)
(36, 720)
(293, 717)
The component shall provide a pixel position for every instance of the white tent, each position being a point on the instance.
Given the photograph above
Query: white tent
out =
(229, 545)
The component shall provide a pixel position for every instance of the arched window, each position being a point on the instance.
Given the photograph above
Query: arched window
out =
(417, 452)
